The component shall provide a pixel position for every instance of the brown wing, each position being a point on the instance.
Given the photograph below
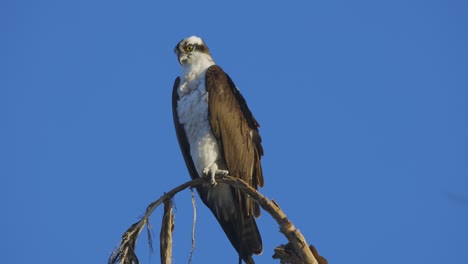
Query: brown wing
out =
(236, 130)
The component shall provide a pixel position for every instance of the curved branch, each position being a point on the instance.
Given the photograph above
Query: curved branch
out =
(125, 253)
(294, 236)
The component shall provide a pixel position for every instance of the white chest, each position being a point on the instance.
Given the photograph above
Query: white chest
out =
(192, 109)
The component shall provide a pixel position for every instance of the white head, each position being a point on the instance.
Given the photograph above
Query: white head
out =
(193, 50)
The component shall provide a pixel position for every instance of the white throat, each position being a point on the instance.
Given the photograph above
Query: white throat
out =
(194, 70)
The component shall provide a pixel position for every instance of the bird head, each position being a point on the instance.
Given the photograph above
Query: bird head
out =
(192, 50)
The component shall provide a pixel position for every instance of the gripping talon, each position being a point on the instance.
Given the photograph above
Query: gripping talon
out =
(211, 172)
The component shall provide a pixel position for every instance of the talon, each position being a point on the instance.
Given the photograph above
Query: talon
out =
(223, 172)
(210, 173)
(213, 180)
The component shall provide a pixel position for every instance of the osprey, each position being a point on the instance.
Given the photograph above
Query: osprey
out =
(218, 134)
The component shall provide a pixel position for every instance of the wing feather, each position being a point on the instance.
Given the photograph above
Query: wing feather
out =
(236, 130)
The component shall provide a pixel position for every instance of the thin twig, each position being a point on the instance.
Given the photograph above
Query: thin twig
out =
(193, 226)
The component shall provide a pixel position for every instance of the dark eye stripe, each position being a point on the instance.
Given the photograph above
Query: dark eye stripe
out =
(201, 48)
(181, 47)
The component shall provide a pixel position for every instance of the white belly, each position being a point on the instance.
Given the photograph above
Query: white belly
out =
(193, 115)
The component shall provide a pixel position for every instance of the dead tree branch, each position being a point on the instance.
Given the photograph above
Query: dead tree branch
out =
(165, 237)
(125, 252)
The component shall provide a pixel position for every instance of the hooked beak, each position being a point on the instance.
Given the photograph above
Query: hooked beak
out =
(183, 58)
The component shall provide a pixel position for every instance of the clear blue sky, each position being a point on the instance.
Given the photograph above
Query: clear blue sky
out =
(363, 107)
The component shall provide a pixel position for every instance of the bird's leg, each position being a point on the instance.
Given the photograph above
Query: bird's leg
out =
(211, 172)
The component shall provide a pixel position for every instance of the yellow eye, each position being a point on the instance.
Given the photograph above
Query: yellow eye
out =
(189, 48)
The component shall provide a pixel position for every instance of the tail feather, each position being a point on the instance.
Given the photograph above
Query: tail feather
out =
(244, 236)
(240, 228)
(251, 236)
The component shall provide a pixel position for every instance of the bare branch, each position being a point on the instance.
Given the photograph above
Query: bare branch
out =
(286, 255)
(294, 236)
(165, 237)
(125, 253)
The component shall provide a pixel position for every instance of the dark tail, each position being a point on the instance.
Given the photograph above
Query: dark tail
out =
(244, 236)
(240, 228)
